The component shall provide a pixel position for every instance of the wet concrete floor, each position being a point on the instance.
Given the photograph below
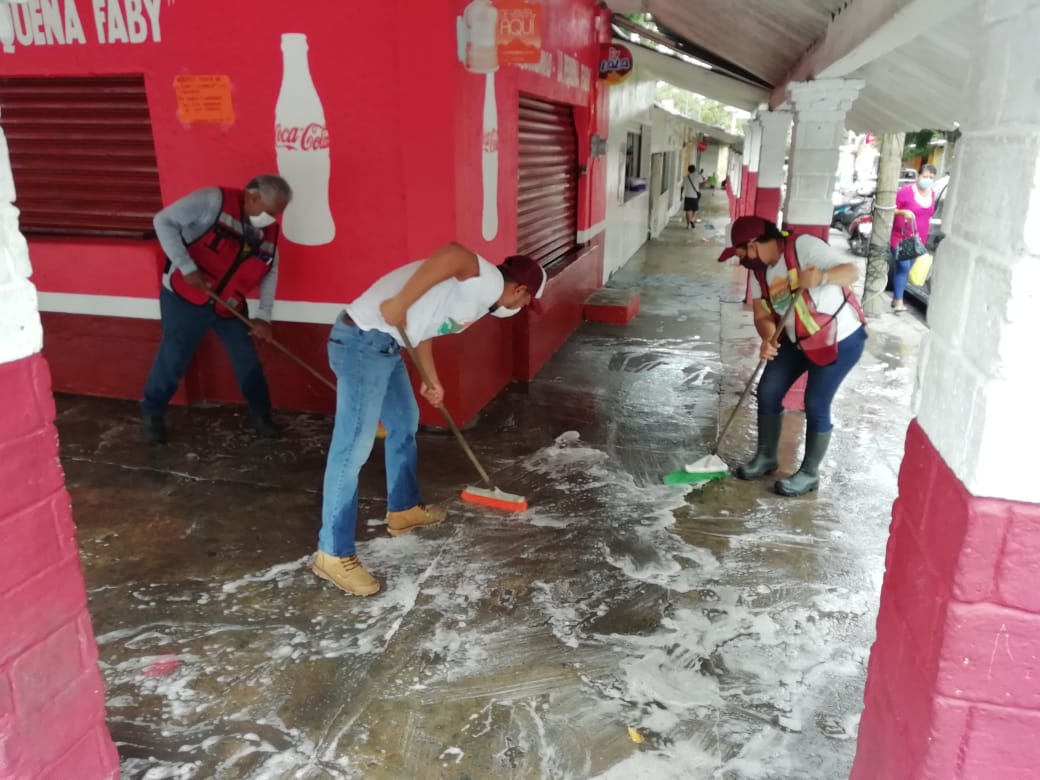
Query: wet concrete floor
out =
(727, 627)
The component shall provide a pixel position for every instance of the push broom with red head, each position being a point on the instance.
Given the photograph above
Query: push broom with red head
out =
(488, 495)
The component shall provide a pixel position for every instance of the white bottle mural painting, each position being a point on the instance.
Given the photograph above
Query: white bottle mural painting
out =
(478, 52)
(301, 142)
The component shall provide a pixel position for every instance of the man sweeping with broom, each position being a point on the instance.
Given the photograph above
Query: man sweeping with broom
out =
(438, 296)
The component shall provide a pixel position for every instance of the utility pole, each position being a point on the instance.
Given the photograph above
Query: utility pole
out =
(884, 205)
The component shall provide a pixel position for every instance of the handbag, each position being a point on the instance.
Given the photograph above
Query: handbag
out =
(920, 269)
(911, 246)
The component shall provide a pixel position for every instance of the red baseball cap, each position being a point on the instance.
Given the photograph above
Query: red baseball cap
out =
(743, 230)
(530, 274)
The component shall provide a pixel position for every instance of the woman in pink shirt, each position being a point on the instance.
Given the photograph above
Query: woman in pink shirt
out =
(915, 204)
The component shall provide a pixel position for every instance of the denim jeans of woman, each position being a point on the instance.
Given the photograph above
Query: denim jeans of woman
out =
(371, 385)
(790, 363)
(900, 275)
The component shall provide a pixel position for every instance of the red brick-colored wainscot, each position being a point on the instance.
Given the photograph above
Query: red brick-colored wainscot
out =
(52, 705)
(953, 687)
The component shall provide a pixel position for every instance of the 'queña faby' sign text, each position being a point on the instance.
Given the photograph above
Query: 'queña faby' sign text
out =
(72, 22)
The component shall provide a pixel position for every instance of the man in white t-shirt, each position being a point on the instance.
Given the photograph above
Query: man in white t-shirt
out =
(438, 296)
(824, 336)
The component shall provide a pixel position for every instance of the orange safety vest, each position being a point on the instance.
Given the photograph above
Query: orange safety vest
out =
(816, 334)
(233, 266)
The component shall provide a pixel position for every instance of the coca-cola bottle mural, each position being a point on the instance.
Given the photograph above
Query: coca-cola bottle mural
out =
(301, 143)
(475, 31)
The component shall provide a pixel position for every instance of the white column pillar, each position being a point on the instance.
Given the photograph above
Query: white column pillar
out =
(979, 365)
(752, 144)
(820, 108)
(21, 334)
(773, 151)
(953, 687)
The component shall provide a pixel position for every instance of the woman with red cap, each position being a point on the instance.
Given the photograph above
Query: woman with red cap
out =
(808, 295)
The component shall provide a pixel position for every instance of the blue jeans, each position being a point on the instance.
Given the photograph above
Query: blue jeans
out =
(183, 326)
(899, 276)
(371, 385)
(783, 371)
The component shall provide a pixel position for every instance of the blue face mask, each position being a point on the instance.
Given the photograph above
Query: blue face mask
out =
(925, 184)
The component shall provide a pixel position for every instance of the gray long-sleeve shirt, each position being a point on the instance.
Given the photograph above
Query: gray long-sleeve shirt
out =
(187, 219)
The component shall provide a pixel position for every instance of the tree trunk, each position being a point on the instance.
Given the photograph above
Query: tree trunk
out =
(884, 203)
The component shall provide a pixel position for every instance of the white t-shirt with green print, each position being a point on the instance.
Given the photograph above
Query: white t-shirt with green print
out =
(448, 307)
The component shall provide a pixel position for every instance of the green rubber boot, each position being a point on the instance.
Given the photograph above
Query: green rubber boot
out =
(765, 460)
(807, 478)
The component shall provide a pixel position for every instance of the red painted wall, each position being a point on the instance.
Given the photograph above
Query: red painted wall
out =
(953, 687)
(405, 124)
(52, 704)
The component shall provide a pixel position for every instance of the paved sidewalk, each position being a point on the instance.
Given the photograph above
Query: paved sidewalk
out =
(727, 626)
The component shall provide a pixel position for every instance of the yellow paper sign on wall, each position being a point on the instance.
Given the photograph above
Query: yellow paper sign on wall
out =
(204, 99)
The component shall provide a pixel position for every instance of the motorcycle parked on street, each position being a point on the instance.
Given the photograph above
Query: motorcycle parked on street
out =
(860, 230)
(853, 218)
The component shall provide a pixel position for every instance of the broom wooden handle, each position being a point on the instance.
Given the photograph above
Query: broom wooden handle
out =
(281, 348)
(754, 376)
(443, 410)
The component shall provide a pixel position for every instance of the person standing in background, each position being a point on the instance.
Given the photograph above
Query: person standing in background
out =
(691, 195)
(915, 204)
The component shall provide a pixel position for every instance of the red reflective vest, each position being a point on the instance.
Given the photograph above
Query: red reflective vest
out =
(233, 267)
(816, 334)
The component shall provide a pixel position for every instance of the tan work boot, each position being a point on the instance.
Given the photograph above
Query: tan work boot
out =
(399, 523)
(347, 574)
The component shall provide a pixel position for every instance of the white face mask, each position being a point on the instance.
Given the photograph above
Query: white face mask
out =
(261, 220)
(503, 312)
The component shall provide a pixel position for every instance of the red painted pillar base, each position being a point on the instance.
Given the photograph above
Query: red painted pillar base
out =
(953, 687)
(767, 203)
(52, 705)
(751, 192)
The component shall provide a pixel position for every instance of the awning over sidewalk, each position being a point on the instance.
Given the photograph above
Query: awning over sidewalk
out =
(914, 55)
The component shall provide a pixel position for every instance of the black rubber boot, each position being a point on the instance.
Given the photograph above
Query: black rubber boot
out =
(154, 429)
(807, 478)
(264, 426)
(765, 460)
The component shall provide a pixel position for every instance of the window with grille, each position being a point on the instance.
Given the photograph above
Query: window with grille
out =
(82, 155)
(547, 208)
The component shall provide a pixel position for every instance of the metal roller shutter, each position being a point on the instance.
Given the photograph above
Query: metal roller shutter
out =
(82, 155)
(548, 181)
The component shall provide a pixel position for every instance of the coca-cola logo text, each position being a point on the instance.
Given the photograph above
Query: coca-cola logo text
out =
(312, 138)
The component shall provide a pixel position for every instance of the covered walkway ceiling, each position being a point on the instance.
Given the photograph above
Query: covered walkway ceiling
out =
(913, 55)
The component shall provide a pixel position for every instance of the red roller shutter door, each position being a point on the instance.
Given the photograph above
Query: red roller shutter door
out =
(548, 181)
(82, 155)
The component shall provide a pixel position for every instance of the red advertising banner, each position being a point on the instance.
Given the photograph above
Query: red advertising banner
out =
(519, 33)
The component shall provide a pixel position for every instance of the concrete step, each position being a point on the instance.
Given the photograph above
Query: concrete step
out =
(613, 305)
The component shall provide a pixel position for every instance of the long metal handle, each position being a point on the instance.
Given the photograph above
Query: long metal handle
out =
(276, 345)
(754, 376)
(447, 416)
